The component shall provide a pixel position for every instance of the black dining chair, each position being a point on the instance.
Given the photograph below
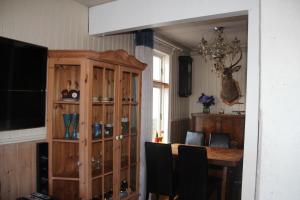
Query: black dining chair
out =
(161, 177)
(220, 140)
(195, 138)
(193, 181)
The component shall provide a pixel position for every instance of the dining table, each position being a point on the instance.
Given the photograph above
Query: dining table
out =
(223, 157)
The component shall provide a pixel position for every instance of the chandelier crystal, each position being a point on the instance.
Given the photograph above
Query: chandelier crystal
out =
(220, 50)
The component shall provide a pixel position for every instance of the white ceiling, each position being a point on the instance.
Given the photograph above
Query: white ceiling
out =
(188, 35)
(90, 3)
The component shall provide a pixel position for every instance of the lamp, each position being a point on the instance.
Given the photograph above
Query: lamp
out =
(220, 50)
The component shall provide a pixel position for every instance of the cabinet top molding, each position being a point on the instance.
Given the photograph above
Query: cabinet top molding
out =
(117, 57)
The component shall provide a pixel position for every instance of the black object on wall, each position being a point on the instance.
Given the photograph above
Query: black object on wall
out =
(42, 168)
(23, 69)
(185, 76)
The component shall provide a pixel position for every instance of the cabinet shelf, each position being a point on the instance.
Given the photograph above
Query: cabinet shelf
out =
(130, 103)
(96, 177)
(65, 141)
(65, 178)
(97, 140)
(103, 103)
(66, 102)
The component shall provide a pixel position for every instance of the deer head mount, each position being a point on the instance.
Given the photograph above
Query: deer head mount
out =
(231, 93)
(219, 52)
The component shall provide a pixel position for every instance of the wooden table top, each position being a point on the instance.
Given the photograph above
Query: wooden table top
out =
(218, 156)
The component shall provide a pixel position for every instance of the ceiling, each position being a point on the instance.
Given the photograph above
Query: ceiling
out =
(188, 35)
(90, 3)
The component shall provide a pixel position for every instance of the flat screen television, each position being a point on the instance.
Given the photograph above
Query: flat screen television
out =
(23, 68)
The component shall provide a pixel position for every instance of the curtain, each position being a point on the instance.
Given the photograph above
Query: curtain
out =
(144, 52)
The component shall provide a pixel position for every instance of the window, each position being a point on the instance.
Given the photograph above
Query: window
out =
(160, 96)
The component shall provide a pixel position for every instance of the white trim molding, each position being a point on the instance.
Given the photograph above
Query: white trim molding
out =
(23, 135)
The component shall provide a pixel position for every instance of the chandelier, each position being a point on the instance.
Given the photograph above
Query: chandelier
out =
(220, 51)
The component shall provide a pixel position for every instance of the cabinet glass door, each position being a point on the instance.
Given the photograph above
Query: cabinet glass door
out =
(103, 109)
(129, 133)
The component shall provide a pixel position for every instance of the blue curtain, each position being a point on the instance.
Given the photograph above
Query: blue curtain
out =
(144, 38)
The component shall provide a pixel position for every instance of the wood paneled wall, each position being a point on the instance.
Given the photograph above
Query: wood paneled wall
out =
(178, 130)
(17, 170)
(179, 105)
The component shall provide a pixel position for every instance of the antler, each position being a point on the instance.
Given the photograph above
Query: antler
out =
(241, 56)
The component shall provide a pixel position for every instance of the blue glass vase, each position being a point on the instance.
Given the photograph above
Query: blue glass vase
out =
(75, 121)
(67, 122)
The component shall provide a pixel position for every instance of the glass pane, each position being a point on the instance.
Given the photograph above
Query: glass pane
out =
(98, 84)
(109, 79)
(166, 67)
(124, 152)
(124, 183)
(133, 150)
(165, 115)
(108, 187)
(134, 82)
(133, 180)
(97, 189)
(98, 122)
(126, 87)
(125, 120)
(157, 68)
(97, 159)
(108, 158)
(108, 121)
(156, 110)
(133, 121)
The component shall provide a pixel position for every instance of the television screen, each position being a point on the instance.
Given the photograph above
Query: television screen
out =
(23, 69)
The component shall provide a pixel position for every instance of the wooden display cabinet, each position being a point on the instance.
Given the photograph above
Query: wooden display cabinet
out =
(94, 134)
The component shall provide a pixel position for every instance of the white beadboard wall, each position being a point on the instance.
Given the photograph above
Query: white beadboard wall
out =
(56, 24)
(179, 105)
(207, 82)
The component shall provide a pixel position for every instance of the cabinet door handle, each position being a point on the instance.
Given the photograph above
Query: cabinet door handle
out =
(121, 137)
(117, 137)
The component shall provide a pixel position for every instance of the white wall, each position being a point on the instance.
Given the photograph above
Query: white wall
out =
(127, 15)
(137, 14)
(278, 172)
(56, 24)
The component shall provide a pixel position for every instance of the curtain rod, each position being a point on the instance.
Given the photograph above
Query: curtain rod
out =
(156, 38)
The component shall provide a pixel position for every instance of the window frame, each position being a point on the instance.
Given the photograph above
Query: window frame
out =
(163, 86)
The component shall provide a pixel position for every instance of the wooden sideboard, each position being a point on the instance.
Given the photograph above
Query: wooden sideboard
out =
(234, 125)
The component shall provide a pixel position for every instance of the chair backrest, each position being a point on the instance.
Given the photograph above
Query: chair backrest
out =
(195, 138)
(159, 167)
(220, 140)
(192, 169)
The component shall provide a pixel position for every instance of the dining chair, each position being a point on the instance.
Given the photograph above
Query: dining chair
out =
(220, 140)
(195, 138)
(193, 181)
(161, 177)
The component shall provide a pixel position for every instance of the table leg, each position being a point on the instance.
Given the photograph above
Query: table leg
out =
(224, 181)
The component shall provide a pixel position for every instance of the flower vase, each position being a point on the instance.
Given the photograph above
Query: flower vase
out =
(67, 123)
(206, 109)
(75, 121)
